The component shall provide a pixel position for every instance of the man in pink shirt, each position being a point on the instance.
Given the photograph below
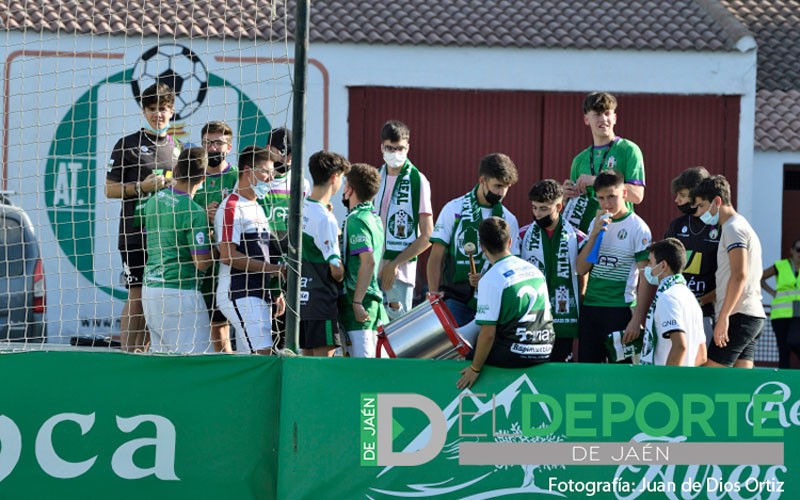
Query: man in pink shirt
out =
(404, 205)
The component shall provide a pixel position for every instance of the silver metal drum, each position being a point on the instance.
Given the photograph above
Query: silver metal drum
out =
(426, 332)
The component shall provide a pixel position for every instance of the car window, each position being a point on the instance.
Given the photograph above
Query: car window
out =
(12, 248)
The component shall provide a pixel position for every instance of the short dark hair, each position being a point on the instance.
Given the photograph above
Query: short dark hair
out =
(670, 250)
(158, 94)
(365, 180)
(281, 140)
(494, 234)
(546, 191)
(498, 166)
(710, 188)
(191, 166)
(599, 102)
(689, 179)
(323, 164)
(251, 155)
(395, 131)
(216, 127)
(608, 178)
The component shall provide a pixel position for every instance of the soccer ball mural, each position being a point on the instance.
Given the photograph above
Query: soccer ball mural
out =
(178, 67)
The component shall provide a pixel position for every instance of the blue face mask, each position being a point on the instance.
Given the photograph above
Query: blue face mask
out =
(261, 189)
(648, 275)
(708, 219)
(158, 131)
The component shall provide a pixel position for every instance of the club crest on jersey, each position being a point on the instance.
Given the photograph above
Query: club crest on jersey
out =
(200, 238)
(713, 233)
(144, 149)
(612, 162)
(622, 234)
(685, 229)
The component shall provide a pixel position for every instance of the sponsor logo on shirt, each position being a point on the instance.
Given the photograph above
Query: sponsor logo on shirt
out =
(358, 238)
(508, 273)
(622, 234)
(528, 349)
(668, 323)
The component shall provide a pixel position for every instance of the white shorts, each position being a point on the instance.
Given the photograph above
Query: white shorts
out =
(251, 319)
(177, 320)
(362, 343)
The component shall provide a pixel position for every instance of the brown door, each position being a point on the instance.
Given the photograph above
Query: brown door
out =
(452, 129)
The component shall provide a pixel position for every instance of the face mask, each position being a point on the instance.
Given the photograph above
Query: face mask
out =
(158, 131)
(708, 219)
(396, 159)
(345, 201)
(545, 221)
(280, 167)
(261, 189)
(492, 198)
(648, 275)
(215, 159)
(687, 209)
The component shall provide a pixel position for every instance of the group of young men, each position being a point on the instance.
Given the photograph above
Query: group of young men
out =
(586, 268)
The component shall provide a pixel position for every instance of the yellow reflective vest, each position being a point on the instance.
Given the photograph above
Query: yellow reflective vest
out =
(787, 296)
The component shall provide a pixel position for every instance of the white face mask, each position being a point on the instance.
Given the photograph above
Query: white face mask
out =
(648, 275)
(710, 219)
(396, 159)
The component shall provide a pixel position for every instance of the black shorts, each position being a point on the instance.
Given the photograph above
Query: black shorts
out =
(743, 334)
(319, 333)
(594, 325)
(133, 261)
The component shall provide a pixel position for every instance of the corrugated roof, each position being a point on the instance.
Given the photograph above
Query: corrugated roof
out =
(776, 27)
(683, 25)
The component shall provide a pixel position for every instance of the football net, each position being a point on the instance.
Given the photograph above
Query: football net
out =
(74, 76)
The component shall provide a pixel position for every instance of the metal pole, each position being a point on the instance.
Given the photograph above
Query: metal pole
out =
(298, 172)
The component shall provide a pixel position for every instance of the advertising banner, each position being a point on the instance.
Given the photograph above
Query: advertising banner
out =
(138, 427)
(360, 428)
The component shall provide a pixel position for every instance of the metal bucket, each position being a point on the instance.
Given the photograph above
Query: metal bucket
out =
(426, 332)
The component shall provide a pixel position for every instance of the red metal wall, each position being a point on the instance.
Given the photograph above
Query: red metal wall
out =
(452, 129)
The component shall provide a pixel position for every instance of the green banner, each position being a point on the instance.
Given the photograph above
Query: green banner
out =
(77, 425)
(106, 425)
(401, 429)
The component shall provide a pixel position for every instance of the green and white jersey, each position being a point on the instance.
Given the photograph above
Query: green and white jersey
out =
(363, 232)
(217, 186)
(318, 290)
(276, 203)
(177, 228)
(513, 296)
(621, 155)
(612, 281)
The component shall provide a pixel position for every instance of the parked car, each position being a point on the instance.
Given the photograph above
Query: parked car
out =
(22, 287)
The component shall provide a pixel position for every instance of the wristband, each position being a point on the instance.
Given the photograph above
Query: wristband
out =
(473, 369)
(138, 188)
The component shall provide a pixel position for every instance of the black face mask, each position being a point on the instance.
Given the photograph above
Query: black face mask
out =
(492, 198)
(687, 209)
(280, 167)
(545, 221)
(345, 202)
(215, 159)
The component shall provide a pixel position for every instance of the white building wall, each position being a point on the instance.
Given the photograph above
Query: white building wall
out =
(42, 91)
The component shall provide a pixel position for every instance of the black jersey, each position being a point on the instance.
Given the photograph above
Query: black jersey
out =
(136, 156)
(701, 242)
